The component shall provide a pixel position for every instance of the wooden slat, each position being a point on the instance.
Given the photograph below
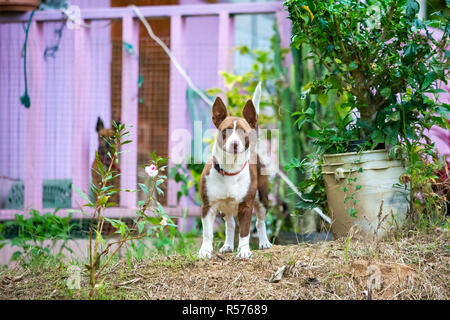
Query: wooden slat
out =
(225, 37)
(130, 74)
(151, 11)
(284, 27)
(80, 114)
(34, 118)
(178, 112)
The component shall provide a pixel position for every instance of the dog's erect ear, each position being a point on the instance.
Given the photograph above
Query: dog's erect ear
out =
(99, 125)
(117, 121)
(249, 114)
(219, 112)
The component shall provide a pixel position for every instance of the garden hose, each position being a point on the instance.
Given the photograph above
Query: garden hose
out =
(25, 99)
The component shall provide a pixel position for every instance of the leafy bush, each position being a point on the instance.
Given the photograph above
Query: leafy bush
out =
(33, 232)
(386, 70)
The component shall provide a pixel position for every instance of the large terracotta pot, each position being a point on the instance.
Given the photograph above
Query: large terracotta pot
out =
(18, 5)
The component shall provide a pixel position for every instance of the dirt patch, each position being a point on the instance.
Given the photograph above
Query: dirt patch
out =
(416, 267)
(381, 279)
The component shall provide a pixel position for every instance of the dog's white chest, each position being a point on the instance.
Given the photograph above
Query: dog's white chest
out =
(226, 192)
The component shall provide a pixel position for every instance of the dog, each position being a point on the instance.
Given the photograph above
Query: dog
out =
(231, 181)
(103, 149)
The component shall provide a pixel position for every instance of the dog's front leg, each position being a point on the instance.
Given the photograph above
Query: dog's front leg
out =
(245, 219)
(264, 242)
(229, 234)
(208, 233)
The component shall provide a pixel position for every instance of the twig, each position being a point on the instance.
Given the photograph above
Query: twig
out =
(127, 282)
(18, 278)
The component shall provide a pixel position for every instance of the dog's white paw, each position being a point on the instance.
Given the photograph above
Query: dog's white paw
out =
(226, 248)
(204, 253)
(244, 253)
(265, 245)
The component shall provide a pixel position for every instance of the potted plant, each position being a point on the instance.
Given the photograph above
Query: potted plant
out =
(385, 68)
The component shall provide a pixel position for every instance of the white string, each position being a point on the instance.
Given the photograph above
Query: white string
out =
(294, 188)
(170, 54)
(209, 102)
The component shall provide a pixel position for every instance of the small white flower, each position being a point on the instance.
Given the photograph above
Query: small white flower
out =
(151, 170)
(163, 221)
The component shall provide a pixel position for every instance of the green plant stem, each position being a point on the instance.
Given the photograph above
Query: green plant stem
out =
(126, 238)
(94, 258)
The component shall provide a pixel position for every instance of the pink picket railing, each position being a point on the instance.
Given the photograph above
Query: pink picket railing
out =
(178, 112)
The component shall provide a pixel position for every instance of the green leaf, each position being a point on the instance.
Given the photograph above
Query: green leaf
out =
(141, 225)
(352, 66)
(315, 133)
(323, 99)
(144, 188)
(412, 8)
(410, 50)
(243, 50)
(386, 92)
(300, 121)
(308, 86)
(153, 220)
(429, 79)
(352, 212)
(395, 116)
(81, 194)
(15, 256)
(377, 137)
(114, 222)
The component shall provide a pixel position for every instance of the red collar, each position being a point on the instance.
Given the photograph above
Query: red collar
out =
(222, 172)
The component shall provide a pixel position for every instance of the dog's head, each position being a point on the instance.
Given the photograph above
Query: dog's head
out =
(104, 136)
(236, 134)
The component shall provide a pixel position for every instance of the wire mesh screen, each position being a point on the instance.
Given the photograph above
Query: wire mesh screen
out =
(153, 121)
(12, 114)
(154, 67)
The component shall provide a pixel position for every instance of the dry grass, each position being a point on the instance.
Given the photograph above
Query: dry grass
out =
(413, 267)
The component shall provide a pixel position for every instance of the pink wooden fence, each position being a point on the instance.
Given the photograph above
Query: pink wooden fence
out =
(81, 80)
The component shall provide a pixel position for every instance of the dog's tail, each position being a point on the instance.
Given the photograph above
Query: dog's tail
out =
(257, 97)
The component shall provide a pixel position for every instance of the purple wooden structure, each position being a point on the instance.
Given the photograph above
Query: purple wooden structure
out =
(38, 154)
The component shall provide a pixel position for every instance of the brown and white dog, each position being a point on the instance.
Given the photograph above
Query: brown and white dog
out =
(231, 182)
